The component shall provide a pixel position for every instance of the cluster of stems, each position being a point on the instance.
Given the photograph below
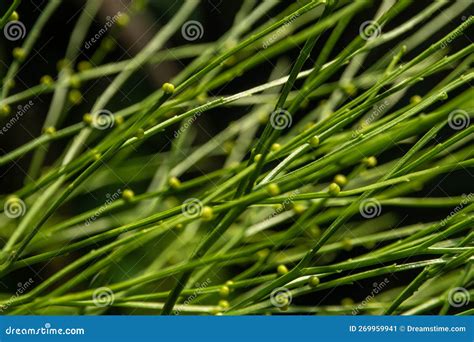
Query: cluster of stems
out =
(327, 155)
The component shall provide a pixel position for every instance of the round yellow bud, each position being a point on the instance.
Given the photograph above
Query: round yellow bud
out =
(334, 189)
(370, 161)
(75, 97)
(350, 89)
(282, 269)
(75, 81)
(207, 213)
(314, 141)
(347, 301)
(415, 99)
(140, 133)
(128, 195)
(168, 88)
(63, 64)
(347, 244)
(201, 98)
(273, 189)
(123, 20)
(107, 43)
(88, 119)
(84, 65)
(275, 147)
(340, 180)
(263, 253)
(119, 120)
(14, 16)
(5, 109)
(313, 281)
(19, 53)
(299, 208)
(224, 304)
(50, 130)
(216, 312)
(47, 80)
(263, 118)
(174, 182)
(224, 291)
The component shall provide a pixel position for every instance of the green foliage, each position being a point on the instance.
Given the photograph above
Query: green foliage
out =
(305, 194)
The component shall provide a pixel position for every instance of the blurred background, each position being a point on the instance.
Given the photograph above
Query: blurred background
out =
(144, 19)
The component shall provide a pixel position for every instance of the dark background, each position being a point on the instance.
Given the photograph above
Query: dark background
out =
(216, 17)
